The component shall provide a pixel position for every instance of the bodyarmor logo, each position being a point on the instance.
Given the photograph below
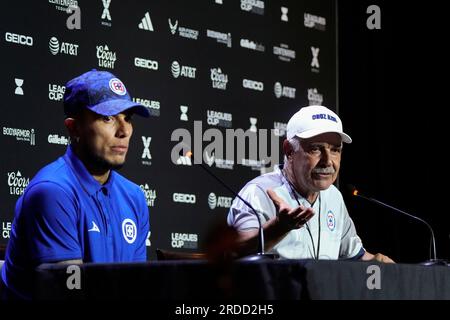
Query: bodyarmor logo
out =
(21, 134)
(221, 37)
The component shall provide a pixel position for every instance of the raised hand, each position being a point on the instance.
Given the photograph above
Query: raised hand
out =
(292, 218)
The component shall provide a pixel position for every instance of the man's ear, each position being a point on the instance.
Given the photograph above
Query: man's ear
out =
(287, 148)
(71, 125)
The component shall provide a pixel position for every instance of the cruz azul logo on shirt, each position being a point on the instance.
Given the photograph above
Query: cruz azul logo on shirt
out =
(129, 230)
(331, 220)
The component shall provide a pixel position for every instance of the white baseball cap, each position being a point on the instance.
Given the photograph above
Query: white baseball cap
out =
(314, 120)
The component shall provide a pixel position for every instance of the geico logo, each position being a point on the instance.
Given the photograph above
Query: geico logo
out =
(19, 38)
(184, 197)
(254, 85)
(144, 63)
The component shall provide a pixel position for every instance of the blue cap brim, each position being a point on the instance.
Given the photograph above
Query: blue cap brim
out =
(116, 106)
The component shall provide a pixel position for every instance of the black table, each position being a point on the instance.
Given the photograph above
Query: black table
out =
(266, 280)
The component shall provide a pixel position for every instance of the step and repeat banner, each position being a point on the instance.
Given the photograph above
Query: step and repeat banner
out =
(220, 76)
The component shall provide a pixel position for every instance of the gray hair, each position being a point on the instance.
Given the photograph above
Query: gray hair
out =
(295, 144)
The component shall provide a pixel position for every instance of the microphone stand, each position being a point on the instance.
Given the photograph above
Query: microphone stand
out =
(433, 257)
(260, 255)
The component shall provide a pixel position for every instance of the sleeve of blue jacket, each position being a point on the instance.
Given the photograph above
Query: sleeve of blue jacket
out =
(51, 219)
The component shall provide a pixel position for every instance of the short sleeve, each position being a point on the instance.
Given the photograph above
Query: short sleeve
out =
(242, 217)
(50, 219)
(144, 228)
(351, 244)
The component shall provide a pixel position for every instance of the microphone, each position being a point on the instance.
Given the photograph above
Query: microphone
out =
(260, 255)
(433, 256)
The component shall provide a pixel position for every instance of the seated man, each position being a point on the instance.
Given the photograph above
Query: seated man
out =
(302, 213)
(78, 208)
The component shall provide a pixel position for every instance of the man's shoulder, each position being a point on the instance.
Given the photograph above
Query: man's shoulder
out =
(54, 173)
(333, 190)
(126, 184)
(265, 181)
(53, 180)
(332, 194)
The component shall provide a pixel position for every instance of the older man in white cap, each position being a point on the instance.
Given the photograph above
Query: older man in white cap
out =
(302, 213)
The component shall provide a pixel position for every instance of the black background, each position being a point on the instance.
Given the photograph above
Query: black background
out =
(393, 97)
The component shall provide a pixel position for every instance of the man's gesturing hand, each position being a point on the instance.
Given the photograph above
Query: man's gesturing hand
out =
(292, 218)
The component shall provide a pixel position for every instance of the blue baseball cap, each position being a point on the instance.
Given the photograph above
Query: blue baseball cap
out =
(101, 92)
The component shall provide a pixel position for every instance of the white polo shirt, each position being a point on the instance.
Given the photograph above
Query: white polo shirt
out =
(338, 238)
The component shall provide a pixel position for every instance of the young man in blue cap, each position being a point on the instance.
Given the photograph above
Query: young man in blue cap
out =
(78, 208)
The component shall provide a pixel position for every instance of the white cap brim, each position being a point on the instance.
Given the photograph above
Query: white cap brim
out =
(315, 132)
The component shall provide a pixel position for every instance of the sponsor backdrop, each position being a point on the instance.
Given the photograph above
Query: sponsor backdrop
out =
(202, 68)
